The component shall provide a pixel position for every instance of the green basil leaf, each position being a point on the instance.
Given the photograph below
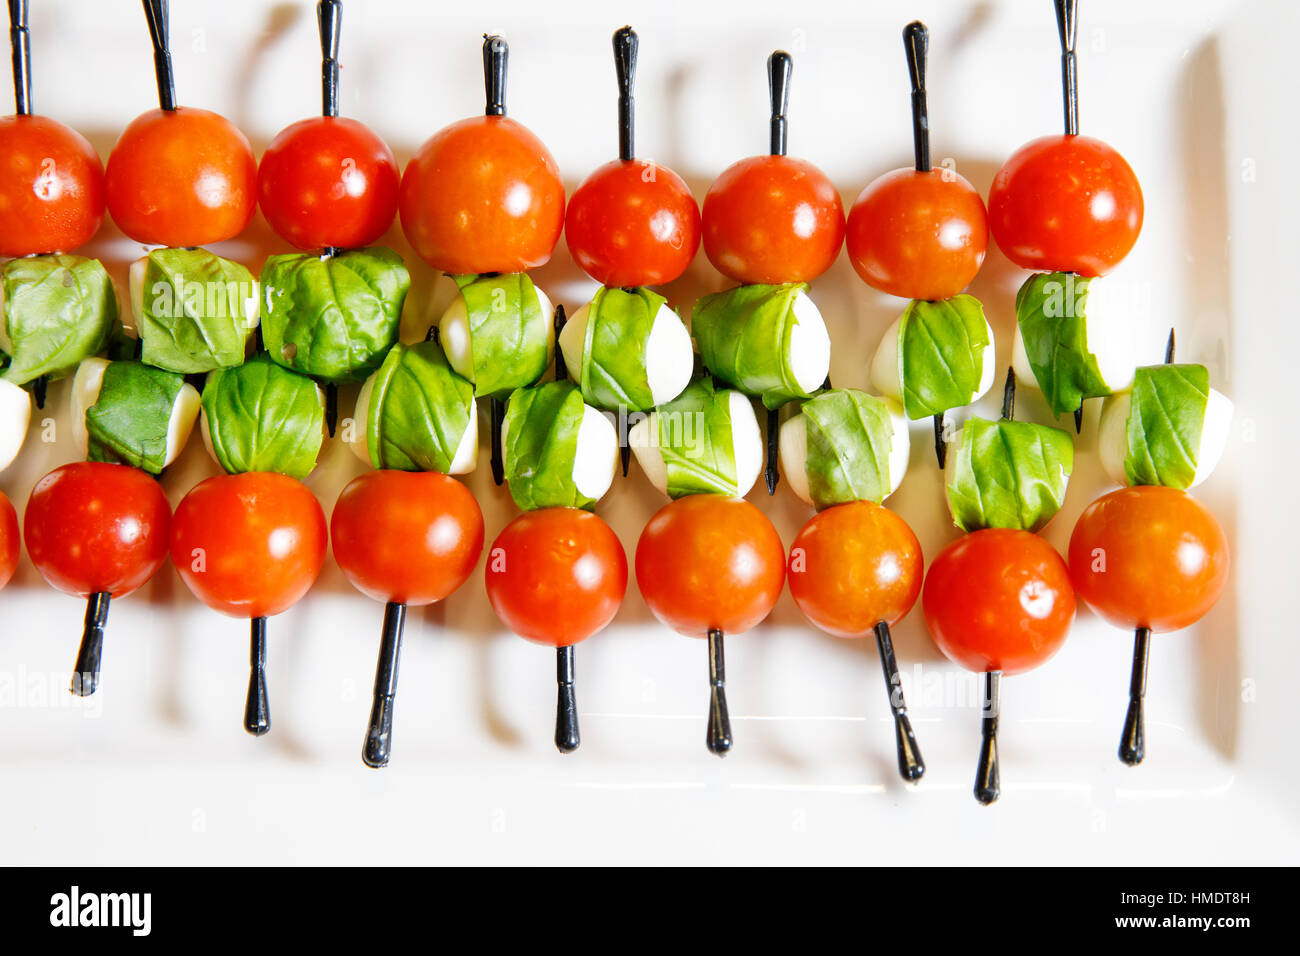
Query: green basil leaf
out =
(541, 429)
(195, 316)
(743, 335)
(694, 432)
(1009, 474)
(508, 333)
(333, 318)
(849, 437)
(58, 310)
(419, 410)
(941, 354)
(128, 422)
(1052, 312)
(613, 373)
(1165, 417)
(262, 417)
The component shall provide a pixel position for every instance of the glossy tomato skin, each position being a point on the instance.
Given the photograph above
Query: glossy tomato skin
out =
(1149, 556)
(249, 545)
(556, 576)
(772, 219)
(633, 223)
(181, 178)
(998, 600)
(328, 181)
(709, 561)
(1066, 204)
(92, 526)
(918, 235)
(853, 566)
(51, 187)
(10, 542)
(406, 536)
(483, 195)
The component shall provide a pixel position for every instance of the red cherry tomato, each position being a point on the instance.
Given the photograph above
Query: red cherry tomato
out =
(92, 527)
(1066, 204)
(328, 181)
(998, 600)
(406, 536)
(707, 561)
(1149, 556)
(633, 223)
(10, 543)
(772, 219)
(181, 178)
(483, 195)
(556, 576)
(918, 235)
(249, 545)
(51, 187)
(853, 566)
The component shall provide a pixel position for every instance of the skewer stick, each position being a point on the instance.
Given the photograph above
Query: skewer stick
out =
(916, 43)
(497, 414)
(780, 66)
(940, 444)
(257, 708)
(567, 737)
(988, 783)
(1067, 22)
(329, 14)
(155, 11)
(1170, 345)
(626, 44)
(1078, 418)
(20, 41)
(379, 735)
(561, 370)
(1009, 395)
(911, 766)
(1132, 745)
(496, 58)
(718, 738)
(331, 398)
(85, 679)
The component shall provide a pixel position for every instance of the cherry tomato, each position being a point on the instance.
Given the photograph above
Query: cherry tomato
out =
(92, 527)
(918, 235)
(556, 576)
(772, 219)
(185, 177)
(708, 561)
(1149, 556)
(633, 223)
(10, 543)
(998, 600)
(412, 537)
(328, 181)
(853, 566)
(249, 545)
(1066, 204)
(51, 187)
(483, 195)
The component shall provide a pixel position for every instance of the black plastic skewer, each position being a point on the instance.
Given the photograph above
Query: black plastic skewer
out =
(329, 14)
(379, 735)
(1067, 22)
(496, 57)
(988, 784)
(780, 66)
(257, 707)
(1132, 745)
(1009, 395)
(916, 43)
(1078, 418)
(626, 44)
(1169, 348)
(718, 738)
(567, 737)
(39, 385)
(497, 416)
(155, 11)
(20, 41)
(940, 444)
(911, 766)
(85, 679)
(331, 403)
(561, 370)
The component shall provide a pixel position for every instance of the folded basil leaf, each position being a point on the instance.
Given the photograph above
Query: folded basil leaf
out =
(743, 335)
(1165, 417)
(941, 354)
(1009, 474)
(1051, 310)
(130, 420)
(262, 417)
(508, 334)
(695, 439)
(849, 437)
(334, 317)
(198, 311)
(419, 410)
(613, 373)
(58, 310)
(541, 429)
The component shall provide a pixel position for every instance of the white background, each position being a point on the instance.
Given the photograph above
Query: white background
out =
(1198, 95)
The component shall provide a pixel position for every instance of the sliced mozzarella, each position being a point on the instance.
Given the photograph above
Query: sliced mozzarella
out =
(465, 459)
(454, 334)
(1112, 435)
(596, 455)
(360, 417)
(184, 412)
(15, 416)
(794, 451)
(669, 356)
(86, 384)
(810, 345)
(1111, 320)
(884, 365)
(746, 445)
(643, 439)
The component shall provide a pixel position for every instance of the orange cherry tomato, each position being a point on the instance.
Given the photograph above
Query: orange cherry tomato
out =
(483, 195)
(556, 576)
(10, 542)
(93, 526)
(328, 181)
(411, 537)
(918, 235)
(185, 177)
(772, 219)
(1066, 204)
(998, 600)
(1149, 556)
(51, 187)
(853, 566)
(633, 223)
(249, 545)
(708, 561)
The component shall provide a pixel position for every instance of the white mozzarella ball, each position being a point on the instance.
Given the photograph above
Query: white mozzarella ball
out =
(135, 285)
(746, 444)
(884, 365)
(669, 356)
(596, 456)
(643, 439)
(793, 445)
(1110, 319)
(810, 344)
(15, 416)
(185, 410)
(360, 418)
(463, 461)
(454, 333)
(86, 384)
(1112, 435)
